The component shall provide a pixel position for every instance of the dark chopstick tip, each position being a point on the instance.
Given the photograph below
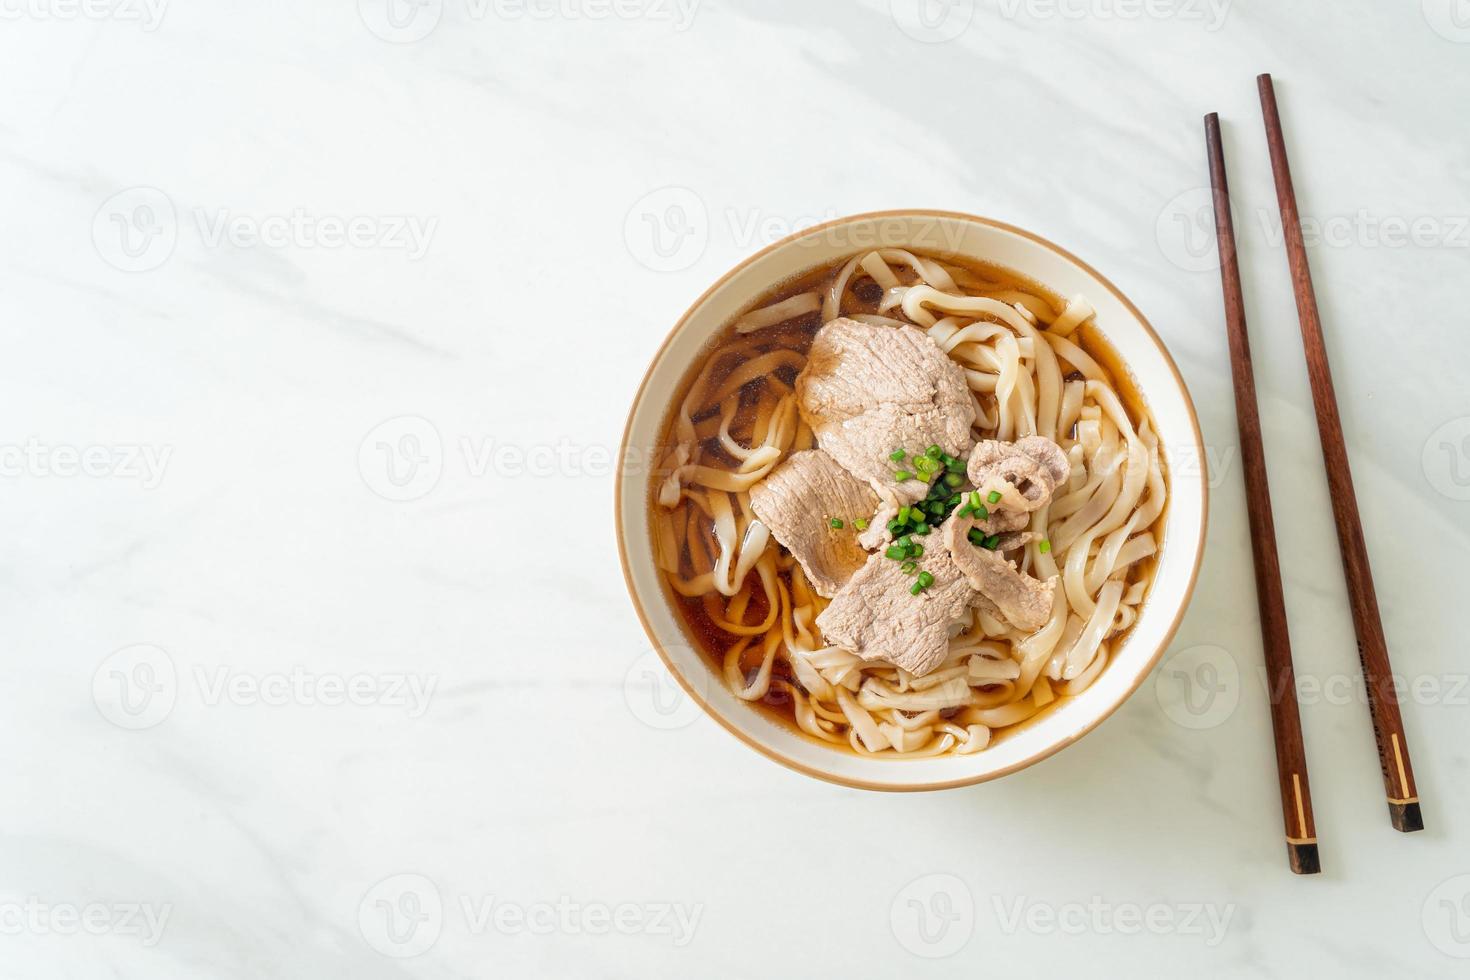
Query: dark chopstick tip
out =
(1304, 859)
(1406, 817)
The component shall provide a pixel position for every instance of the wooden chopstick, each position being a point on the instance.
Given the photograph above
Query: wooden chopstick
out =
(1388, 726)
(1286, 722)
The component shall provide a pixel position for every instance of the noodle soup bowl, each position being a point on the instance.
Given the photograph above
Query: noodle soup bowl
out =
(964, 237)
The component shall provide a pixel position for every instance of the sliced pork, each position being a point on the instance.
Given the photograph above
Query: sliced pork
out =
(877, 617)
(868, 391)
(798, 502)
(1025, 473)
(1023, 601)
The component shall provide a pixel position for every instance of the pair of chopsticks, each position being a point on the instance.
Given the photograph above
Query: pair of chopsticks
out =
(1388, 729)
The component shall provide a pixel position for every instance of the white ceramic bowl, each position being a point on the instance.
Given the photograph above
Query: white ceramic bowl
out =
(980, 239)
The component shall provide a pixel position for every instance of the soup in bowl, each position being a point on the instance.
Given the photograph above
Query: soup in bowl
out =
(911, 500)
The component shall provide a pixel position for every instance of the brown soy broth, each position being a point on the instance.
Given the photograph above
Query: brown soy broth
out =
(797, 335)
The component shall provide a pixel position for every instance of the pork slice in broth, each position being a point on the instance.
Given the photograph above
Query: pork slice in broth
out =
(877, 617)
(1025, 472)
(1023, 601)
(798, 502)
(869, 390)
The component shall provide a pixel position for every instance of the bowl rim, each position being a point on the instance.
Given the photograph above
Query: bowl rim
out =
(1040, 754)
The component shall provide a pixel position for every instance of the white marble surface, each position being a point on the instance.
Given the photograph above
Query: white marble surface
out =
(183, 617)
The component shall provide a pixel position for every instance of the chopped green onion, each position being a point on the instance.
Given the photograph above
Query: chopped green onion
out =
(896, 552)
(992, 541)
(897, 455)
(894, 526)
(922, 529)
(953, 479)
(934, 452)
(902, 476)
(860, 524)
(994, 496)
(974, 499)
(836, 523)
(954, 465)
(905, 541)
(903, 515)
(977, 537)
(908, 568)
(1044, 547)
(981, 512)
(925, 580)
(915, 589)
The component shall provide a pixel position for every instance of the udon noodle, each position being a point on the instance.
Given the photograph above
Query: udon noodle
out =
(1035, 366)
